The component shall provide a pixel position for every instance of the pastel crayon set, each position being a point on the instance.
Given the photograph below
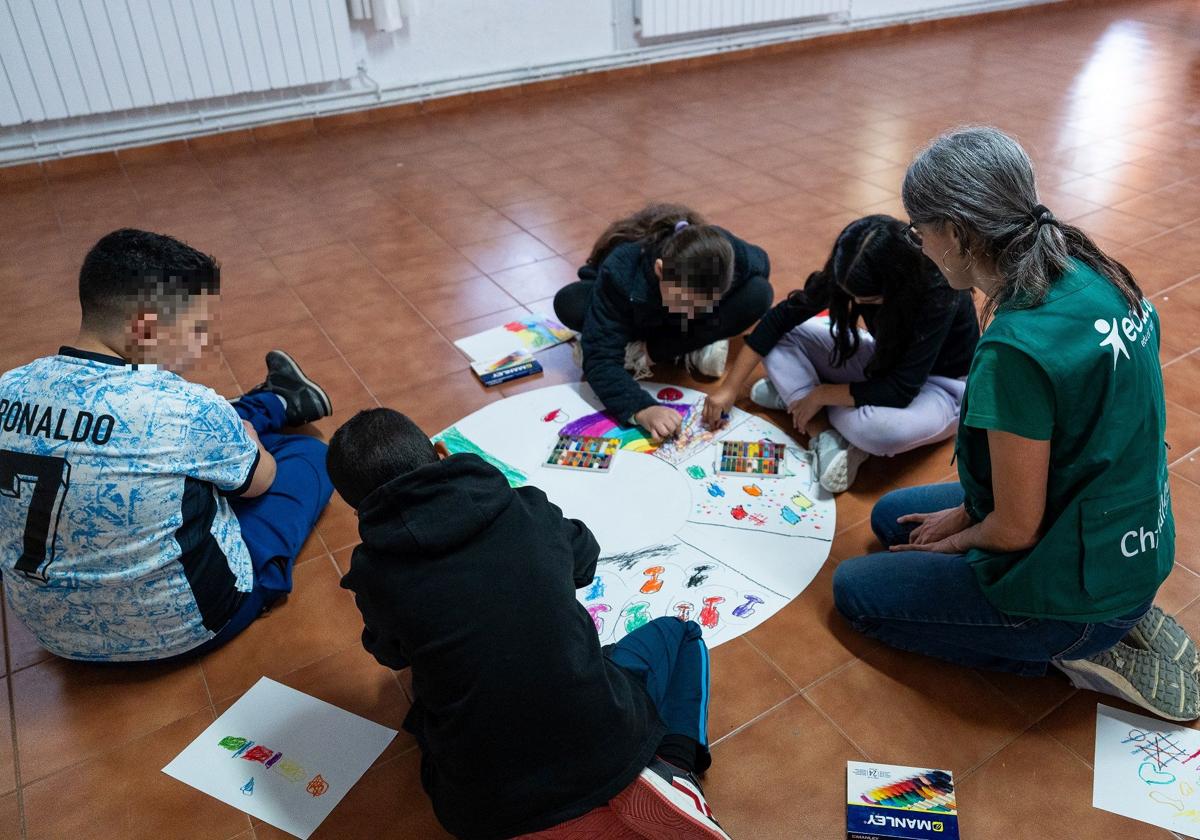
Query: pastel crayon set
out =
(890, 802)
(762, 458)
(583, 452)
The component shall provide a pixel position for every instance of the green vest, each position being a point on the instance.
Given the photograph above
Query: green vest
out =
(1109, 536)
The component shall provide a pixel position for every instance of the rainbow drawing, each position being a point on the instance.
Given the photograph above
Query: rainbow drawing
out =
(536, 333)
(602, 424)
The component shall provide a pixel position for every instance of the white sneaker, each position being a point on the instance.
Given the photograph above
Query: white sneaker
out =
(765, 394)
(709, 360)
(637, 360)
(836, 461)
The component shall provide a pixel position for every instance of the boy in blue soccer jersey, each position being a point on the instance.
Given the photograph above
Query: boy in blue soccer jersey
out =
(143, 516)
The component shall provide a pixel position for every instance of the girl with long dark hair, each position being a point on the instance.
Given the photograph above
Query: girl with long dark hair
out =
(1051, 546)
(886, 390)
(661, 285)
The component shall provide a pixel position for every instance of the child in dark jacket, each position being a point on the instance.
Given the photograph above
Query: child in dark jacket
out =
(659, 286)
(886, 390)
(524, 724)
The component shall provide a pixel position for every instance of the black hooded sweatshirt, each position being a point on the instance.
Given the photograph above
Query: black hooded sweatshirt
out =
(522, 721)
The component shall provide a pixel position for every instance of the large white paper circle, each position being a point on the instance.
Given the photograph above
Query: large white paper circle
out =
(676, 538)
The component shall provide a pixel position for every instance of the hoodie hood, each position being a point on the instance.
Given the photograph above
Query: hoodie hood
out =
(435, 509)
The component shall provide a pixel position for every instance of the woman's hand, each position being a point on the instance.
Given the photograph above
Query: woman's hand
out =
(935, 529)
(717, 405)
(659, 421)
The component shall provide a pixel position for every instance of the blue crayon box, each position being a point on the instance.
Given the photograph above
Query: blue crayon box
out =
(891, 802)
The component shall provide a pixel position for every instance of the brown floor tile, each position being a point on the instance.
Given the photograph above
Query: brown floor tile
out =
(433, 409)
(244, 315)
(1188, 467)
(1185, 499)
(338, 525)
(8, 778)
(744, 685)
(122, 702)
(317, 619)
(450, 303)
(1179, 313)
(474, 227)
(888, 703)
(804, 793)
(387, 804)
(1183, 429)
(328, 262)
(124, 795)
(23, 647)
(537, 280)
(807, 639)
(1036, 776)
(1073, 724)
(10, 818)
(493, 255)
(1181, 380)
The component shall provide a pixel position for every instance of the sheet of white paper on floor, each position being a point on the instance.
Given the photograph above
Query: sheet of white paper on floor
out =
(1147, 769)
(282, 756)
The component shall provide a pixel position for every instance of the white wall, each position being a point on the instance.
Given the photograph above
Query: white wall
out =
(446, 47)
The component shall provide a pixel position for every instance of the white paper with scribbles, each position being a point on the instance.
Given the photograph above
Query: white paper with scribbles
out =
(1147, 769)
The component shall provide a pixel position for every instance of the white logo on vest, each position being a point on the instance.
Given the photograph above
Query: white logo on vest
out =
(1113, 339)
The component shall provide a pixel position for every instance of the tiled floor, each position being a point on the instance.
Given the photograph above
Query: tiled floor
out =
(367, 250)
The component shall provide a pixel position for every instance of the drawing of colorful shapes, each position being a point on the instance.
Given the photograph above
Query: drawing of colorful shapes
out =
(457, 443)
(696, 472)
(602, 424)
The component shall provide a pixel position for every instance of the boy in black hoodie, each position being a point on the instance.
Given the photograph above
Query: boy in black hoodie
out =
(525, 725)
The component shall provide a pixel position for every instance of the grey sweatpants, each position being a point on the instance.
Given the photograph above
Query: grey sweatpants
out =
(800, 362)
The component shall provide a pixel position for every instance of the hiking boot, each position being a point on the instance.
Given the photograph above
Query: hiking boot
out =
(1143, 677)
(1160, 633)
(304, 400)
(667, 803)
(836, 460)
(637, 360)
(765, 394)
(709, 360)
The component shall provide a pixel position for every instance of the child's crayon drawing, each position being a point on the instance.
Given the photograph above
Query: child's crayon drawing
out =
(710, 616)
(534, 333)
(457, 442)
(317, 786)
(627, 560)
(596, 611)
(1148, 770)
(699, 574)
(636, 615)
(669, 394)
(654, 584)
(696, 472)
(683, 610)
(602, 424)
(715, 490)
(596, 590)
(692, 437)
(248, 788)
(556, 416)
(747, 609)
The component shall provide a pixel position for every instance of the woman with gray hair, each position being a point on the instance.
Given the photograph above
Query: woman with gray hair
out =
(1051, 546)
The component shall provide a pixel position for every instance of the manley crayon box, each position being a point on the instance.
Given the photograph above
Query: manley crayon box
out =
(889, 802)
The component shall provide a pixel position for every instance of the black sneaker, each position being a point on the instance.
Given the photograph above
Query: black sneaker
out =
(305, 400)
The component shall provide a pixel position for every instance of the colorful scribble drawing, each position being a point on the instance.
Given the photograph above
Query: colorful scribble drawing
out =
(747, 609)
(457, 442)
(715, 490)
(692, 436)
(271, 759)
(259, 753)
(758, 519)
(556, 416)
(317, 786)
(752, 490)
(738, 512)
(232, 743)
(801, 501)
(596, 612)
(789, 516)
(602, 424)
(696, 472)
(636, 615)
(627, 560)
(654, 584)
(683, 610)
(535, 333)
(596, 591)
(709, 616)
(248, 788)
(293, 771)
(698, 574)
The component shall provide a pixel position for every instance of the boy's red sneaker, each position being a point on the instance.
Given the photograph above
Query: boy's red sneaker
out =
(666, 803)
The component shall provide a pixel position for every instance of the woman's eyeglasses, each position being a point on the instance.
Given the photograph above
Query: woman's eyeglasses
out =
(912, 237)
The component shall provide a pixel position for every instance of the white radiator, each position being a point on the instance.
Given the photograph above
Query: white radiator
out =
(660, 19)
(67, 58)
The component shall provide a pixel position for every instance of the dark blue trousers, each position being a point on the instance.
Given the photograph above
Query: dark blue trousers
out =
(671, 659)
(276, 524)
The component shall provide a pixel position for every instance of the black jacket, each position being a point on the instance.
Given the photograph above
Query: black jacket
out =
(942, 344)
(627, 306)
(522, 722)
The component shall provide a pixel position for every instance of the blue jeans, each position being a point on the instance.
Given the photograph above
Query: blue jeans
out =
(932, 604)
(276, 524)
(670, 658)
